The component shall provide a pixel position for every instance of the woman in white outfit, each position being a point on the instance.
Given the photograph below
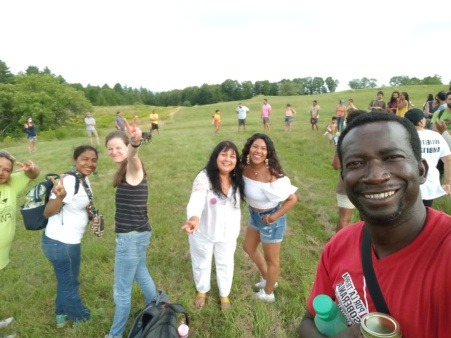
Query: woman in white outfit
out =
(270, 196)
(213, 221)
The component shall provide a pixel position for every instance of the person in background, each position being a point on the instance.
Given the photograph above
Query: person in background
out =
(266, 114)
(32, 135)
(216, 121)
(289, 113)
(68, 214)
(213, 221)
(90, 123)
(119, 120)
(132, 226)
(331, 130)
(433, 148)
(403, 104)
(314, 114)
(345, 206)
(340, 114)
(378, 104)
(441, 99)
(429, 106)
(392, 106)
(382, 168)
(242, 111)
(351, 107)
(154, 121)
(442, 129)
(270, 196)
(444, 111)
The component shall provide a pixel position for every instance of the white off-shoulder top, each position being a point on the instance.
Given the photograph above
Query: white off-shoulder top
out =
(261, 195)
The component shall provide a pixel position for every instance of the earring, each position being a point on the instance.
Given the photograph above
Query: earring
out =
(266, 162)
(248, 159)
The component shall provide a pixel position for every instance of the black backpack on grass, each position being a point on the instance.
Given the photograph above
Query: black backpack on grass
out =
(33, 210)
(158, 319)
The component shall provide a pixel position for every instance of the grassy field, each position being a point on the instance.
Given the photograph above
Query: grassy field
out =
(173, 159)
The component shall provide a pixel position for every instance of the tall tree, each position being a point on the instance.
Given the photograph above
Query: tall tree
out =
(5, 75)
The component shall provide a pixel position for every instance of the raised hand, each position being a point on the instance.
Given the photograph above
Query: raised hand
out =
(26, 166)
(134, 131)
(58, 187)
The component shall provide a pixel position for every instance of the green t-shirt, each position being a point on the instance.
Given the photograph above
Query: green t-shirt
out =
(446, 115)
(8, 210)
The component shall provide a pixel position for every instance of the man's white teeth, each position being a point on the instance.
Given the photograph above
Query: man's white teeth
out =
(380, 196)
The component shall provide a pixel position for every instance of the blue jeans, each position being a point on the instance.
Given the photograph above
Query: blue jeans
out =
(65, 259)
(130, 264)
(340, 123)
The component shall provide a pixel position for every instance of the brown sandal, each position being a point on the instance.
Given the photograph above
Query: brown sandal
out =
(225, 303)
(199, 301)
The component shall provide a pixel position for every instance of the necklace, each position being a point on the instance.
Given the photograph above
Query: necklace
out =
(256, 172)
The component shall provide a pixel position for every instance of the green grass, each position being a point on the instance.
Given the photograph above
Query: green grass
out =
(173, 159)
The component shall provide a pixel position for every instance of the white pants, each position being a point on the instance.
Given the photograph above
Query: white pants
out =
(202, 251)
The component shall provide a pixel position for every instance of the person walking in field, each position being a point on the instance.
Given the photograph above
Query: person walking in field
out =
(217, 121)
(32, 135)
(90, 123)
(266, 114)
(154, 122)
(119, 120)
(289, 114)
(242, 113)
(340, 114)
(314, 115)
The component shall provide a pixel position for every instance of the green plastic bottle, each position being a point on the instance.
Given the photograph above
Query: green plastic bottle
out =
(328, 319)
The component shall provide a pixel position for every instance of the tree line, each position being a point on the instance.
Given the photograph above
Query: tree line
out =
(51, 101)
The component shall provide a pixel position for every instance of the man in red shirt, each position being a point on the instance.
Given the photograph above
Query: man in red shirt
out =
(382, 169)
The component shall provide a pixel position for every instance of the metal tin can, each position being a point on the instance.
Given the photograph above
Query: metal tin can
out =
(380, 325)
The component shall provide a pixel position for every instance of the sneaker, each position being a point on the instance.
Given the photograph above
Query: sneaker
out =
(262, 284)
(6, 322)
(262, 295)
(61, 321)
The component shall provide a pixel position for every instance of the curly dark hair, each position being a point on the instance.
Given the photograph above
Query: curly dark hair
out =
(273, 161)
(236, 174)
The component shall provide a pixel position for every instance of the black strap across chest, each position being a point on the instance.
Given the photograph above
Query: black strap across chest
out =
(370, 276)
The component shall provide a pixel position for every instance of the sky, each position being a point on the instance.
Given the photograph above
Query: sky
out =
(175, 44)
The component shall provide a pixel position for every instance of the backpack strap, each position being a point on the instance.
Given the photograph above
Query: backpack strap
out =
(180, 309)
(440, 113)
(370, 276)
(77, 180)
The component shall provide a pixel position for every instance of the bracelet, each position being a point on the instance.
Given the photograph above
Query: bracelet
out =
(137, 145)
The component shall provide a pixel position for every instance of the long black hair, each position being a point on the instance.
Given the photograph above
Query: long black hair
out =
(236, 174)
(273, 161)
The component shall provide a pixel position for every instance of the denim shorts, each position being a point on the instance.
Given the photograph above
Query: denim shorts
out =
(269, 233)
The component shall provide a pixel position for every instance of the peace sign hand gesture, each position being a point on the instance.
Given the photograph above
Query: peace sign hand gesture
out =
(58, 187)
(134, 131)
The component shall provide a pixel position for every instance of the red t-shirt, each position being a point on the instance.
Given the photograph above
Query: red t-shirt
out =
(415, 281)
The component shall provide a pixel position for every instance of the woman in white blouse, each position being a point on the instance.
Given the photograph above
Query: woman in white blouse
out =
(270, 196)
(213, 221)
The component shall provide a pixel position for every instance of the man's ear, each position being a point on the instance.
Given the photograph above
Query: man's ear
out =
(423, 169)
